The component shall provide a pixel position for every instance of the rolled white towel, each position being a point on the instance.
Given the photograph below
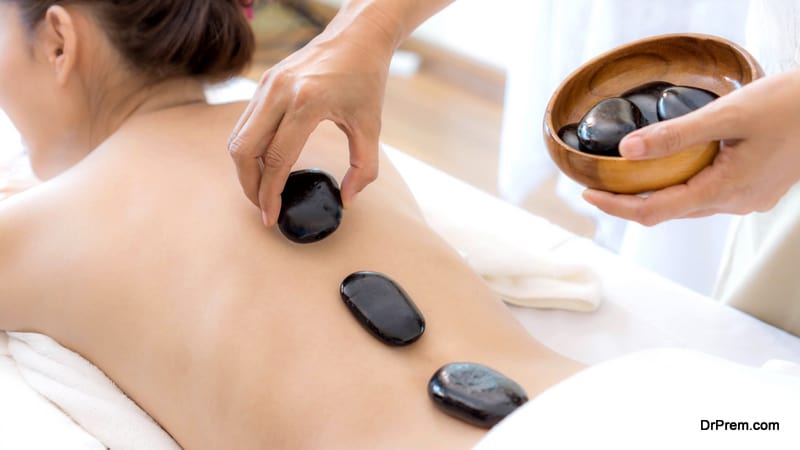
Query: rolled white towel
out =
(510, 248)
(86, 394)
(524, 277)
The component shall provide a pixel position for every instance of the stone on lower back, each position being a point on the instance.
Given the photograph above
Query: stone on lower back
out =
(475, 393)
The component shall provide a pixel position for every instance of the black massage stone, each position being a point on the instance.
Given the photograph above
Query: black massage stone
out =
(383, 308)
(475, 394)
(569, 134)
(601, 129)
(311, 206)
(646, 96)
(679, 100)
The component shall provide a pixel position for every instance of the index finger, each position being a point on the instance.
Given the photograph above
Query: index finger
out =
(282, 153)
(247, 145)
(718, 120)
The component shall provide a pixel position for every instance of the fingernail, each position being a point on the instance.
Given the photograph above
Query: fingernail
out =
(633, 148)
(265, 218)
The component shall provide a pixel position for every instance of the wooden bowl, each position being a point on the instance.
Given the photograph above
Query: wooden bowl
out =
(697, 60)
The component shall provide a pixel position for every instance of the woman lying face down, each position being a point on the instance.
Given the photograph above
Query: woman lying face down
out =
(140, 252)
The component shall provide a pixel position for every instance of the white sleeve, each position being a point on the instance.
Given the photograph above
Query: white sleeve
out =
(659, 399)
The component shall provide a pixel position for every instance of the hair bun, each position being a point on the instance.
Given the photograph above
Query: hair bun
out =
(206, 38)
(167, 38)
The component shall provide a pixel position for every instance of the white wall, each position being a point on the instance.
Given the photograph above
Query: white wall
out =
(481, 29)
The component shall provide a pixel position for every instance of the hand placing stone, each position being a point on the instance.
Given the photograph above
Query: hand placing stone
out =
(475, 393)
(601, 129)
(311, 206)
(646, 96)
(383, 308)
(679, 100)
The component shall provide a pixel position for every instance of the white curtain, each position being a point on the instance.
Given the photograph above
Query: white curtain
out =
(560, 36)
(764, 245)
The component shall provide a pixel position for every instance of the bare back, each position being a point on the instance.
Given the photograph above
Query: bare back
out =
(147, 259)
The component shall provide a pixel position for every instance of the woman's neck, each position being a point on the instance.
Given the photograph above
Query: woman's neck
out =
(119, 106)
(107, 110)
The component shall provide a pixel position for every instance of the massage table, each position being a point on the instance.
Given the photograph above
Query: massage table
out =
(637, 309)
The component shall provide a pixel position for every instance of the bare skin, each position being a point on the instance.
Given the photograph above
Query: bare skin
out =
(141, 254)
(146, 259)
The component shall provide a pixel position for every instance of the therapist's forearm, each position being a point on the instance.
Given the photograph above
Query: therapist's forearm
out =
(391, 21)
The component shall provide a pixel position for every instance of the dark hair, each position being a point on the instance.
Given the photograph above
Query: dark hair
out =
(162, 39)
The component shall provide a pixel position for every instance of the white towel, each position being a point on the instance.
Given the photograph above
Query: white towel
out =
(521, 277)
(511, 249)
(87, 395)
(28, 421)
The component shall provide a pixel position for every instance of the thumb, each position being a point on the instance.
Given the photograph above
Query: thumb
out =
(713, 122)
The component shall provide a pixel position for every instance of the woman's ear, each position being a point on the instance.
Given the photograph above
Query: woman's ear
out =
(59, 39)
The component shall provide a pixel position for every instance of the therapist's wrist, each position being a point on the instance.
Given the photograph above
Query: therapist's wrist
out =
(369, 22)
(389, 21)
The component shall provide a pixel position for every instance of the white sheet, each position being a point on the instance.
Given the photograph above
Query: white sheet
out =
(657, 399)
